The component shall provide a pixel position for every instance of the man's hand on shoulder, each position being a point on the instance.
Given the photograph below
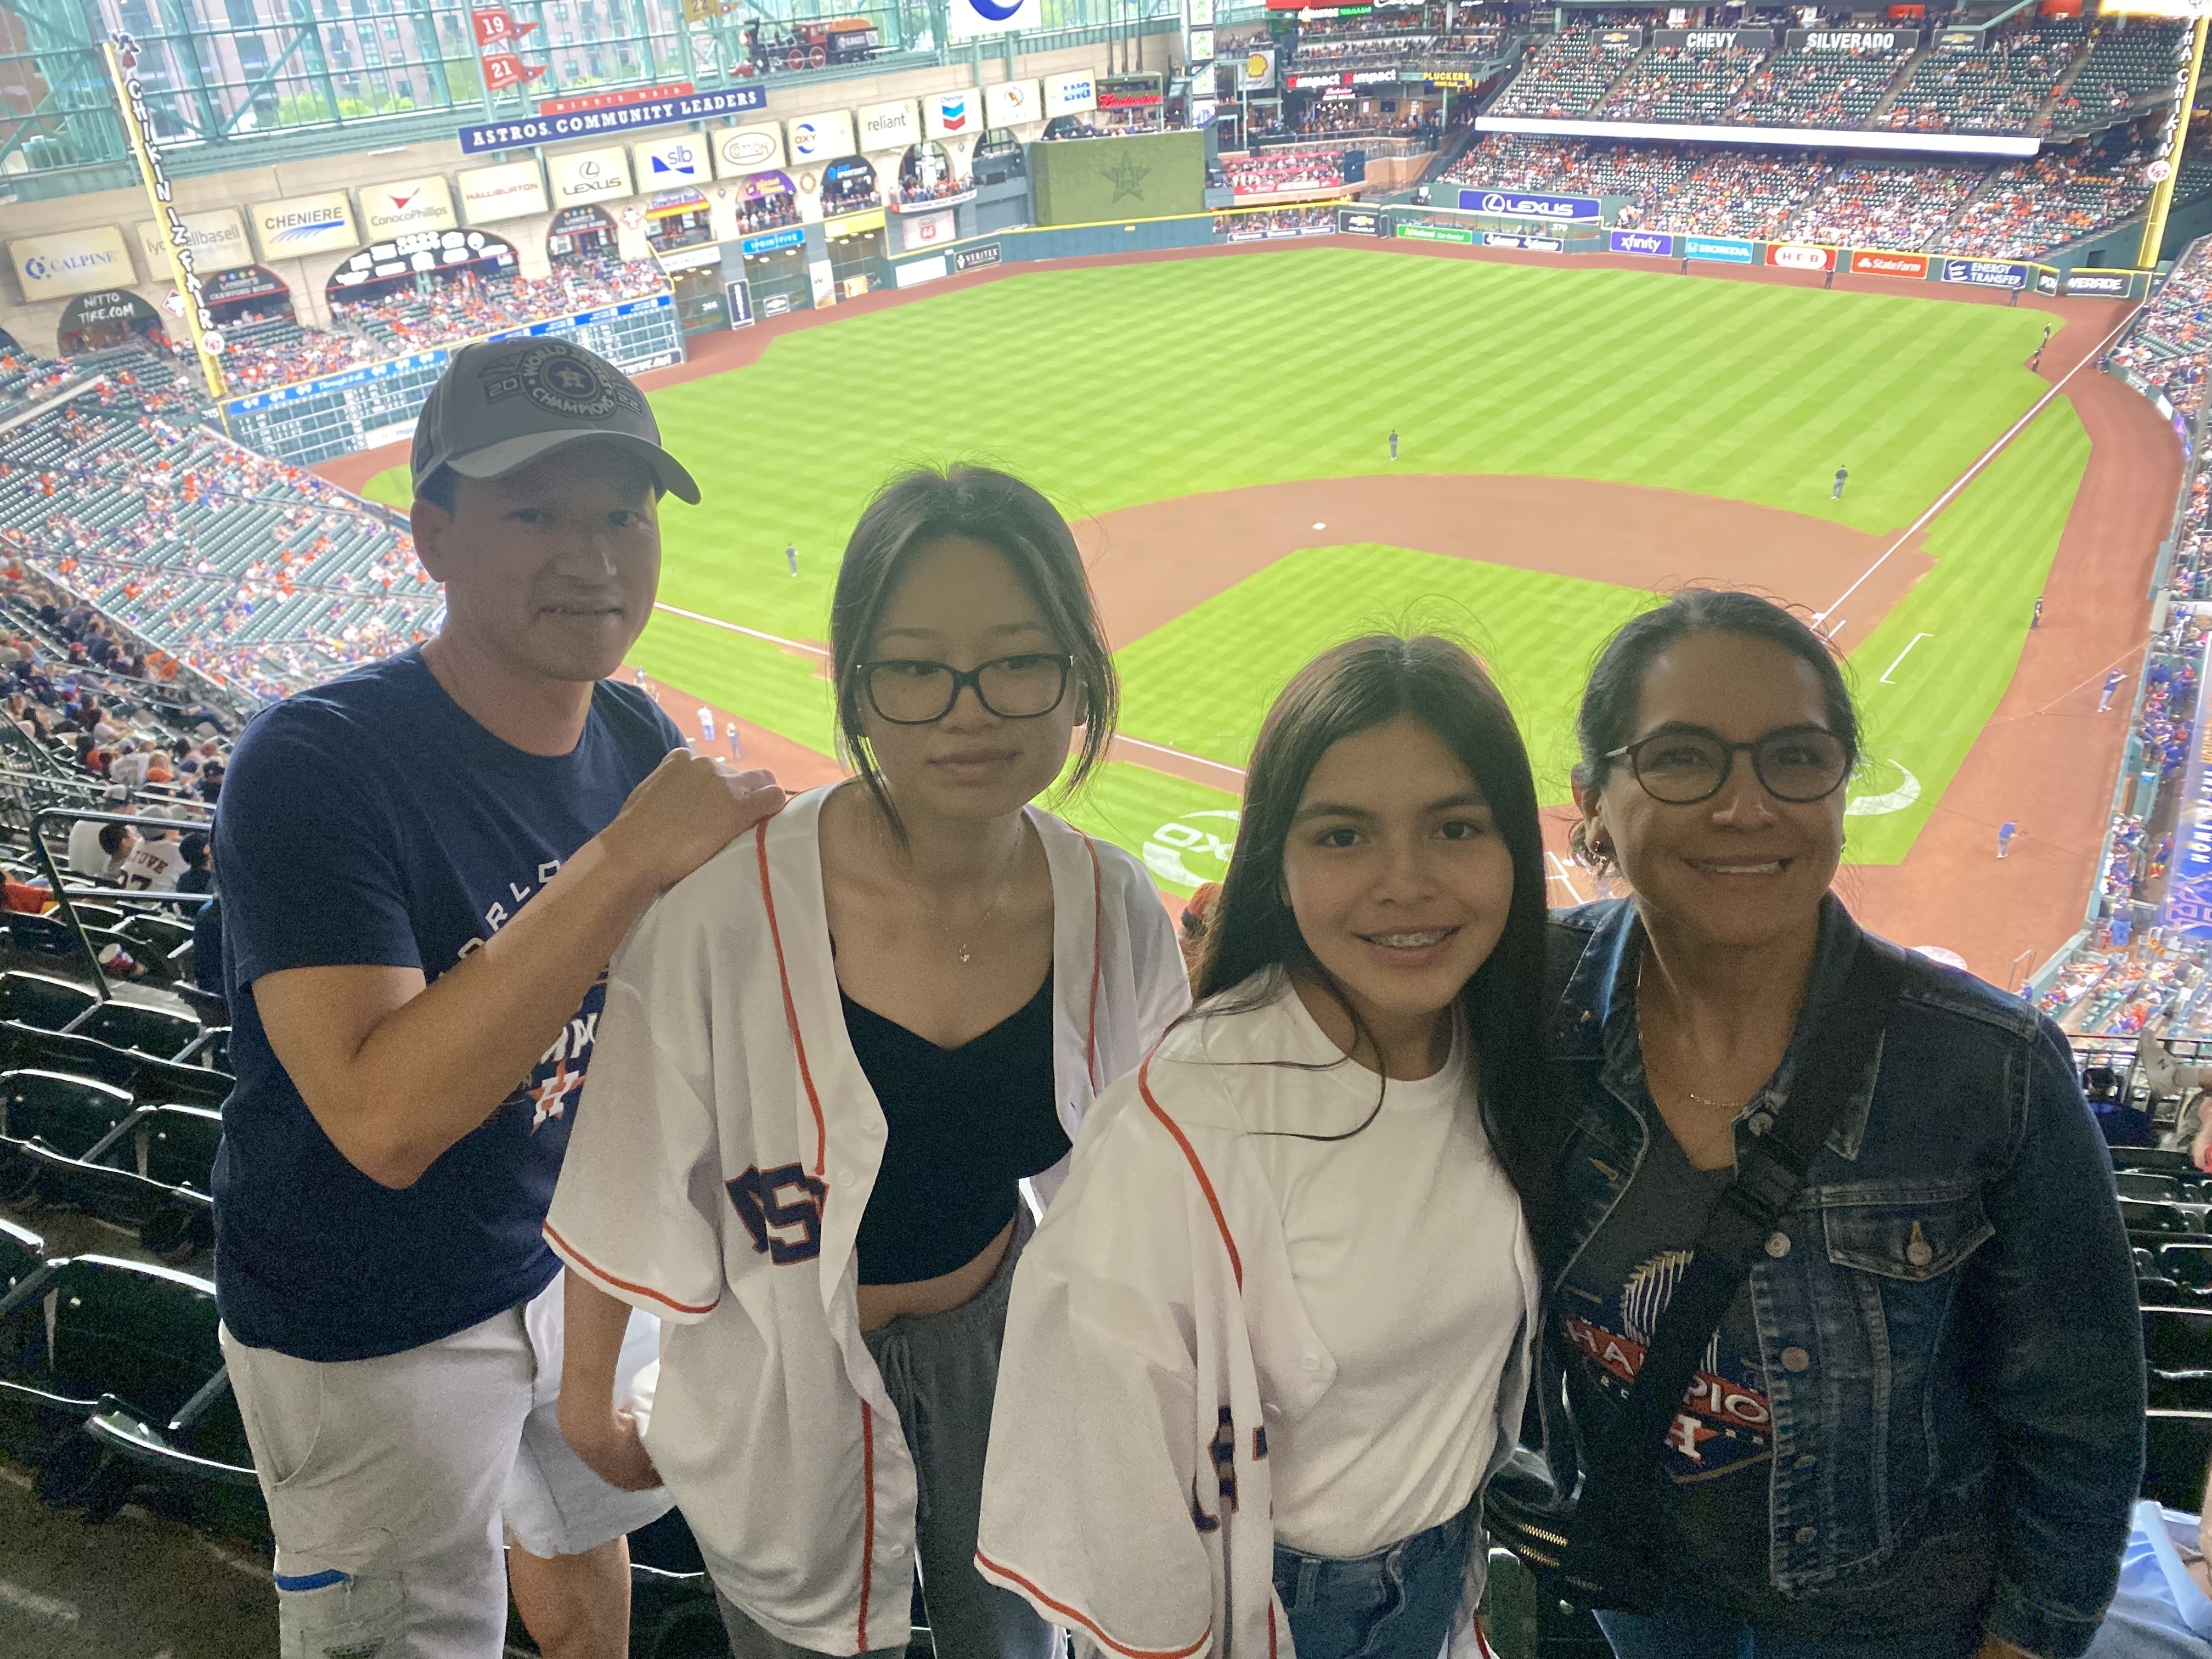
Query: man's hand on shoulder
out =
(689, 809)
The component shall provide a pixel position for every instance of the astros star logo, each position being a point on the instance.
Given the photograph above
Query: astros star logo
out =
(551, 1098)
(1128, 178)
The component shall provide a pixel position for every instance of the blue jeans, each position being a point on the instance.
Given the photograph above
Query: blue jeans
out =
(1701, 1633)
(1394, 1604)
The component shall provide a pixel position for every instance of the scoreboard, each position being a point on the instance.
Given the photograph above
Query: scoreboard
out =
(376, 404)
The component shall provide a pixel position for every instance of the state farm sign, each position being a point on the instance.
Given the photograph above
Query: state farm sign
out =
(1879, 262)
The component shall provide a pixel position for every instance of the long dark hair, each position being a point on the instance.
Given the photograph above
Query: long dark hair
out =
(975, 503)
(1351, 689)
(1607, 719)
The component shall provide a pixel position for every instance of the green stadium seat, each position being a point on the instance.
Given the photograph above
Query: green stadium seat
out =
(2187, 1264)
(155, 1032)
(2141, 1216)
(161, 935)
(177, 1146)
(39, 1000)
(71, 1115)
(2140, 1183)
(22, 1045)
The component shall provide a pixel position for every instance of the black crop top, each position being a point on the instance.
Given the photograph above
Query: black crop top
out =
(966, 1125)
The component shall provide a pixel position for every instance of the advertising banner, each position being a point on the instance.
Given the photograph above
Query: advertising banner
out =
(951, 114)
(614, 99)
(2098, 284)
(589, 175)
(1256, 70)
(1131, 92)
(1881, 262)
(1699, 41)
(2047, 282)
(1800, 256)
(819, 138)
(1720, 250)
(1070, 95)
(888, 126)
(1011, 104)
(966, 18)
(520, 132)
(926, 230)
(773, 242)
(304, 224)
(1853, 40)
(1359, 222)
(918, 271)
(402, 209)
(1415, 230)
(975, 259)
(740, 152)
(1534, 244)
(1986, 273)
(1656, 245)
(1518, 204)
(664, 163)
(1329, 78)
(738, 299)
(216, 238)
(1619, 40)
(509, 192)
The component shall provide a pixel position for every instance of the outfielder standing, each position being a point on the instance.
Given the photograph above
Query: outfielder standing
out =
(425, 865)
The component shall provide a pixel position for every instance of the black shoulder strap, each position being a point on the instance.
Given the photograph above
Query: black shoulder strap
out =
(1768, 1179)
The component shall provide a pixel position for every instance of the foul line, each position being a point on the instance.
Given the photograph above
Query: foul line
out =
(1967, 476)
(1902, 655)
(1236, 772)
(734, 628)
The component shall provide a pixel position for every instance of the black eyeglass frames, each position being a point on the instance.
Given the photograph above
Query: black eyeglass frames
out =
(1685, 765)
(912, 691)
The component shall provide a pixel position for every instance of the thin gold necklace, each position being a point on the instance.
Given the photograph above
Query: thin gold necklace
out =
(1689, 1093)
(960, 946)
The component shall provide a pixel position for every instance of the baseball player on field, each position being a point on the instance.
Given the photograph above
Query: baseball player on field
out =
(829, 1063)
(1272, 1337)
(426, 865)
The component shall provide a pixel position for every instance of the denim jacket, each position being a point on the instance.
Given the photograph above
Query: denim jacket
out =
(1955, 1271)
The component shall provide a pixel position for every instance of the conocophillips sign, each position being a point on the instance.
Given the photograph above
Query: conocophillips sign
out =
(888, 126)
(304, 224)
(412, 204)
(75, 262)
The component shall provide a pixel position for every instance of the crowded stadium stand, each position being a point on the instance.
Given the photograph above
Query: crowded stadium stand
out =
(1676, 83)
(1570, 74)
(1286, 172)
(2127, 66)
(2000, 84)
(1806, 87)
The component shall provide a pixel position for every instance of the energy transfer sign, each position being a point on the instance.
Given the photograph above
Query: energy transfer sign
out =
(966, 18)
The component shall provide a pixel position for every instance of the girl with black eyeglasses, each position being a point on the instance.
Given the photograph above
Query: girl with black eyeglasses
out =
(829, 1063)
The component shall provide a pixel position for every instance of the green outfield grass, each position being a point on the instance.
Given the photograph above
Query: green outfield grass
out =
(1111, 387)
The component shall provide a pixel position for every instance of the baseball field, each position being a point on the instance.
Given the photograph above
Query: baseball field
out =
(1569, 440)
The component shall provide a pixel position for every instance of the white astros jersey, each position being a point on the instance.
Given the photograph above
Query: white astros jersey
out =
(718, 1175)
(1155, 1339)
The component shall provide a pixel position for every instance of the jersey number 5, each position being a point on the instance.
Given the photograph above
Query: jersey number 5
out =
(782, 1208)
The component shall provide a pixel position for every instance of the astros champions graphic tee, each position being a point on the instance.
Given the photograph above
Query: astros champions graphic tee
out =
(1719, 1445)
(372, 822)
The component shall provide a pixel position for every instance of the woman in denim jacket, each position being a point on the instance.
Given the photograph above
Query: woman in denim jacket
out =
(1918, 1431)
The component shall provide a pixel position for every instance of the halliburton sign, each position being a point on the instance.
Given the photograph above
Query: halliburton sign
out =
(1880, 262)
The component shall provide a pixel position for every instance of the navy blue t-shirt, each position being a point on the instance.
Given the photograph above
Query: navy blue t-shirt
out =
(372, 822)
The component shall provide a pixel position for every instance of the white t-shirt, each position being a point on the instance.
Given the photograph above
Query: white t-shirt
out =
(86, 857)
(1401, 1241)
(154, 864)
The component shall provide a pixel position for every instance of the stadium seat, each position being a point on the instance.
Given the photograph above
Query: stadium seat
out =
(155, 1032)
(71, 1115)
(94, 914)
(2137, 1183)
(2187, 1264)
(2178, 1444)
(42, 935)
(42, 1001)
(2143, 1217)
(2150, 1157)
(177, 1144)
(22, 1045)
(2146, 1263)
(163, 935)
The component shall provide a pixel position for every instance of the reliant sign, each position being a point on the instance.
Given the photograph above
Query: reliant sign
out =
(217, 240)
(630, 118)
(1985, 273)
(507, 192)
(1880, 262)
(742, 151)
(590, 175)
(889, 126)
(75, 262)
(303, 225)
(1514, 204)
(412, 204)
(1652, 243)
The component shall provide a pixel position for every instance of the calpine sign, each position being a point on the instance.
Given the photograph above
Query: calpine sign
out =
(1513, 204)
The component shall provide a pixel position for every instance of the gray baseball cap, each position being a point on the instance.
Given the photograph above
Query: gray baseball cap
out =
(502, 406)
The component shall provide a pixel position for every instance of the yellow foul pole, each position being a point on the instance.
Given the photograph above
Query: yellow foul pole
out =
(122, 56)
(2167, 170)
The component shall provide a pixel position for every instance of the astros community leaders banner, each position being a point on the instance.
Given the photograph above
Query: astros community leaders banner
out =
(1148, 176)
(522, 131)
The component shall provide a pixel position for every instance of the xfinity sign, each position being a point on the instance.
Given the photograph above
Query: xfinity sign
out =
(1657, 244)
(1511, 204)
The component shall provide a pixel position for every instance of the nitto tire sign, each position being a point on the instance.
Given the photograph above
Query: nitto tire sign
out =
(1655, 245)
(1514, 204)
(1800, 256)
(1985, 273)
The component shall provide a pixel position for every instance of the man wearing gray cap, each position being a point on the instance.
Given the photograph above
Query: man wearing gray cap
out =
(425, 865)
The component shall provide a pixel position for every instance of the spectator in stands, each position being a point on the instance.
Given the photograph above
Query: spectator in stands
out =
(154, 863)
(199, 876)
(97, 850)
(1989, 1497)
(425, 866)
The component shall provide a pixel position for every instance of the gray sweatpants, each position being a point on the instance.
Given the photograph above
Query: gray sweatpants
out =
(942, 1371)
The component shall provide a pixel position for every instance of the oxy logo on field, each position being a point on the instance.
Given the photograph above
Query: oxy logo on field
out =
(1193, 849)
(1892, 798)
